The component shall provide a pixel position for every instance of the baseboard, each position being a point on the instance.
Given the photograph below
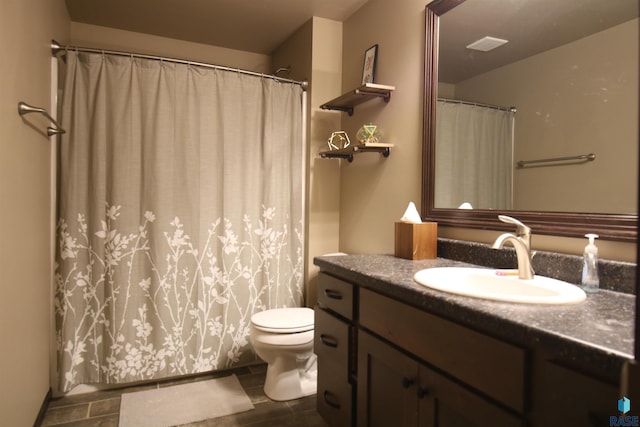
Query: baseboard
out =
(43, 409)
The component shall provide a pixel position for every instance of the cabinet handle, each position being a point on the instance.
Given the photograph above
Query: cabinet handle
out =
(333, 294)
(422, 392)
(407, 382)
(331, 400)
(328, 340)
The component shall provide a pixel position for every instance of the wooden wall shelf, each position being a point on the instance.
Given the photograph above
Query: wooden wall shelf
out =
(359, 95)
(350, 151)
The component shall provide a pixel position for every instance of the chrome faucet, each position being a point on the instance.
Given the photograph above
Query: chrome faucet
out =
(521, 242)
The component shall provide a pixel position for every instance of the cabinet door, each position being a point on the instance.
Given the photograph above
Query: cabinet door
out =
(331, 340)
(335, 395)
(564, 397)
(486, 364)
(386, 385)
(445, 403)
(396, 390)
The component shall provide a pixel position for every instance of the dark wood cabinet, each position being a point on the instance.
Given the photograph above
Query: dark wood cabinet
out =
(491, 366)
(334, 344)
(387, 381)
(563, 396)
(382, 362)
(396, 389)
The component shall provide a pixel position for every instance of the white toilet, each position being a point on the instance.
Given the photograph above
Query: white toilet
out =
(283, 338)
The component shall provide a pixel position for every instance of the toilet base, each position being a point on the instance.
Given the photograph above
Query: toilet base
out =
(288, 378)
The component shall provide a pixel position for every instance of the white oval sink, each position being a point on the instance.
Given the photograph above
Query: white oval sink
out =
(489, 284)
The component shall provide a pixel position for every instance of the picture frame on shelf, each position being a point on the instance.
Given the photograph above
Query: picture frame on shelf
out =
(369, 66)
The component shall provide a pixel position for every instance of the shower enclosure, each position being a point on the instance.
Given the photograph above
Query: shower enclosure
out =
(180, 214)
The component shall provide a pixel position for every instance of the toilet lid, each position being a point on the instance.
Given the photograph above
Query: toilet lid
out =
(284, 320)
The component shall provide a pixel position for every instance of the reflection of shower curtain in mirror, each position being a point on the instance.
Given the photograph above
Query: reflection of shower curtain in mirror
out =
(180, 215)
(474, 156)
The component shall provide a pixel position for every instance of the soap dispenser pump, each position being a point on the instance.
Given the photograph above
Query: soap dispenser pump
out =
(590, 280)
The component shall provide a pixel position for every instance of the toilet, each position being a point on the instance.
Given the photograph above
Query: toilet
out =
(283, 338)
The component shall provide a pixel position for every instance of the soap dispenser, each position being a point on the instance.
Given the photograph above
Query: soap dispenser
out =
(590, 280)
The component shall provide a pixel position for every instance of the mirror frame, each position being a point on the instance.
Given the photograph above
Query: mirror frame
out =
(619, 227)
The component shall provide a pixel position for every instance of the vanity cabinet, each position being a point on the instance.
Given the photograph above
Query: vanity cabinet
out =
(396, 389)
(382, 362)
(563, 396)
(427, 371)
(416, 358)
(334, 344)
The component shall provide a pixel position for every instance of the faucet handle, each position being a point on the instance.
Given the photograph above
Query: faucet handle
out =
(521, 229)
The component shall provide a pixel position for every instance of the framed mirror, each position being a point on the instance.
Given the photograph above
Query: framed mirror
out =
(547, 59)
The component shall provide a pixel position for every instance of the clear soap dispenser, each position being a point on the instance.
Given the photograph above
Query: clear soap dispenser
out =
(590, 280)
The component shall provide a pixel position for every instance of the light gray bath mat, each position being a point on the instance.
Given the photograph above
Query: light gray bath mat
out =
(184, 403)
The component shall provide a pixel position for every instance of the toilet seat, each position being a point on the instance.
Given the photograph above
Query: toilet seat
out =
(282, 340)
(284, 320)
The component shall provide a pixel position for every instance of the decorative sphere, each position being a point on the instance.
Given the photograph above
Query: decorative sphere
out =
(369, 133)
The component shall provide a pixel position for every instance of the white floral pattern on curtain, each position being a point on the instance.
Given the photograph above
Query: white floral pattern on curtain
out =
(159, 275)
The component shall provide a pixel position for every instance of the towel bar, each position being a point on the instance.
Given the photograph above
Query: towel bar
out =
(24, 108)
(582, 157)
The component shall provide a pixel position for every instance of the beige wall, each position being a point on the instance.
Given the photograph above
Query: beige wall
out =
(85, 35)
(579, 98)
(324, 175)
(27, 26)
(375, 191)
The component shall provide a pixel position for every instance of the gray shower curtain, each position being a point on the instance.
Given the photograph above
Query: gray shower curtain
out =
(474, 156)
(180, 215)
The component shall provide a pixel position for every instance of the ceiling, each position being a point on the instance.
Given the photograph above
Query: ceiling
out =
(258, 26)
(531, 26)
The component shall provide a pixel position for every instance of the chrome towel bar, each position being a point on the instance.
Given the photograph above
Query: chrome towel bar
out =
(24, 108)
(580, 158)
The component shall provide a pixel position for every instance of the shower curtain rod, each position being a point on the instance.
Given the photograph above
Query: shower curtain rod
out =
(495, 107)
(57, 48)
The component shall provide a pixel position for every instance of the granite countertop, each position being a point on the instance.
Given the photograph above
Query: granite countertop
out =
(597, 334)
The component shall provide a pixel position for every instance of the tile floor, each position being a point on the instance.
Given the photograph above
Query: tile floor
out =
(101, 409)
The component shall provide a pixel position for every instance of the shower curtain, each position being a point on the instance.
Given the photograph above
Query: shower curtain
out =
(180, 215)
(474, 156)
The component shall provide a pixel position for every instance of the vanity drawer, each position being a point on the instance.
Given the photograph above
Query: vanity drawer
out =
(485, 363)
(335, 395)
(335, 295)
(331, 339)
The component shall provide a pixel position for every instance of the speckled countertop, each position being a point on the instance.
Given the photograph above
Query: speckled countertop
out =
(596, 334)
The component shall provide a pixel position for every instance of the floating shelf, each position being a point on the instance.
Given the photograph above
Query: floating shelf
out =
(359, 95)
(347, 153)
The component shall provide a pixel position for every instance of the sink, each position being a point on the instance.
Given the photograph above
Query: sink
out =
(499, 285)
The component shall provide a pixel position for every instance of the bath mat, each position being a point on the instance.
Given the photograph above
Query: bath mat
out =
(184, 403)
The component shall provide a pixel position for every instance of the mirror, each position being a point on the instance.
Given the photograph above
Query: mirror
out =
(548, 124)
